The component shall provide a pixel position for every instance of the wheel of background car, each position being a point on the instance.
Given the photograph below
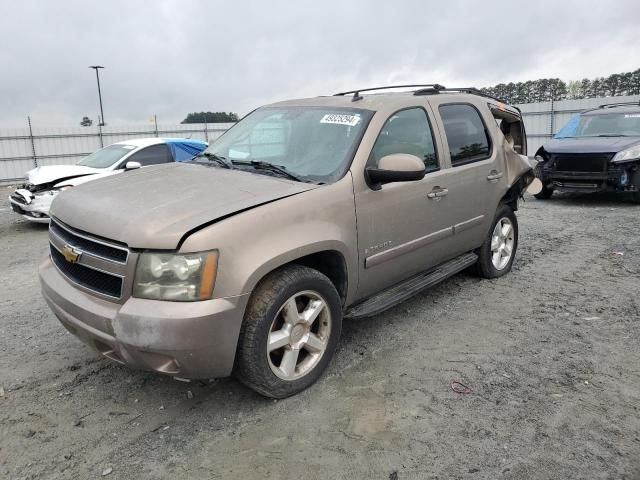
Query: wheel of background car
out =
(546, 191)
(290, 332)
(495, 256)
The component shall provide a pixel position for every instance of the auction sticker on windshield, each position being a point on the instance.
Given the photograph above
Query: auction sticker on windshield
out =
(341, 119)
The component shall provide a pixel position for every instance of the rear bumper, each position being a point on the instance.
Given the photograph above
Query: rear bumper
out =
(180, 339)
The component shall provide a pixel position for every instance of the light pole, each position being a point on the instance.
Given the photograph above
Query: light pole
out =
(96, 67)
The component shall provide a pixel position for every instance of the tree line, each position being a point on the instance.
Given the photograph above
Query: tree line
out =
(211, 117)
(547, 89)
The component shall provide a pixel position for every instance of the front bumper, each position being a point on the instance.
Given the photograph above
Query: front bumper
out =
(181, 339)
(616, 179)
(34, 208)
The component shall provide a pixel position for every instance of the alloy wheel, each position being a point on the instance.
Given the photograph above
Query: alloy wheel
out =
(299, 335)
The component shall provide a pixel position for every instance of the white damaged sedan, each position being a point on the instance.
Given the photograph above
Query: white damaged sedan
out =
(33, 199)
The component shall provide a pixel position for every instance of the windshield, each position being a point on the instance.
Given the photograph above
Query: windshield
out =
(314, 144)
(602, 125)
(106, 157)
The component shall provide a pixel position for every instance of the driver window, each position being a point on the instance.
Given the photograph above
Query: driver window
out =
(407, 131)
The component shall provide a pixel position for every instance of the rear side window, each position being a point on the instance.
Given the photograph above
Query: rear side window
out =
(407, 131)
(466, 134)
(152, 155)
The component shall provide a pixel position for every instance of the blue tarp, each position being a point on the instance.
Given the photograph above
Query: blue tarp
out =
(184, 149)
(569, 130)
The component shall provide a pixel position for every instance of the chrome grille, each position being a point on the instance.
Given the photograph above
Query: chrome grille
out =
(88, 244)
(94, 264)
(86, 277)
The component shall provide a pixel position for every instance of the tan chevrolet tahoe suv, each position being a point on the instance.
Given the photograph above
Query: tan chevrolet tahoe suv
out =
(246, 259)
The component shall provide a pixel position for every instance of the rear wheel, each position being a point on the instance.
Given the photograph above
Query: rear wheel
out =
(290, 332)
(495, 256)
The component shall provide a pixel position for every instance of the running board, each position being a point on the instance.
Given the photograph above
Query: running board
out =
(408, 288)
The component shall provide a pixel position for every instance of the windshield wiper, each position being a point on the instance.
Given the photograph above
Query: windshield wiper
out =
(219, 159)
(279, 169)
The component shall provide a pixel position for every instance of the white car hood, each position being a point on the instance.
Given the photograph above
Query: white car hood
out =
(85, 178)
(51, 173)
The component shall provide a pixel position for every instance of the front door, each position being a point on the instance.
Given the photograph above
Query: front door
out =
(405, 227)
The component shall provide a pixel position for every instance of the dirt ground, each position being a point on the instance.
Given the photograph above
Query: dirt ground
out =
(549, 352)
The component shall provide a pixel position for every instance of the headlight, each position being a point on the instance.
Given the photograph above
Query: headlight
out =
(632, 153)
(180, 278)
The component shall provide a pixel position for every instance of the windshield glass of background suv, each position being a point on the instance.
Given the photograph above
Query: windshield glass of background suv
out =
(106, 157)
(311, 143)
(612, 124)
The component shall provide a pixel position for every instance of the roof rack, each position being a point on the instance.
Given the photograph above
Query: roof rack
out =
(620, 104)
(425, 89)
(480, 93)
(357, 96)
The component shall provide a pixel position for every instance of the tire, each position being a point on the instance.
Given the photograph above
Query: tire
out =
(270, 317)
(545, 193)
(487, 266)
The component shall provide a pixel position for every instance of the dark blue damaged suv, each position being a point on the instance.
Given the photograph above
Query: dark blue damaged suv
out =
(597, 150)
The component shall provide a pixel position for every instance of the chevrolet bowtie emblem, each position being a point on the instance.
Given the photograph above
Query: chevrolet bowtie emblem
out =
(70, 255)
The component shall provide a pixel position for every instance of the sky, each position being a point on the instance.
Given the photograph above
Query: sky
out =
(169, 57)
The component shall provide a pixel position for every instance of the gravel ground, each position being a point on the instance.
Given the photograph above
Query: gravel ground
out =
(549, 352)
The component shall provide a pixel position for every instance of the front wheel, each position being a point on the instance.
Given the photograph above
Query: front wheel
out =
(547, 190)
(495, 256)
(290, 332)
(545, 193)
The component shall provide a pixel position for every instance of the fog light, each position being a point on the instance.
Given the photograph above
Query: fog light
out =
(624, 178)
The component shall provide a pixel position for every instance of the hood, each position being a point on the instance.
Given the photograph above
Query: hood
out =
(590, 144)
(75, 181)
(154, 207)
(56, 173)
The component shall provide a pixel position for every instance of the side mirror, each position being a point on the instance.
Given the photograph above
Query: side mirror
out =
(132, 166)
(397, 167)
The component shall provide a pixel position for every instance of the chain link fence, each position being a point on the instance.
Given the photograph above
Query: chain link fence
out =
(31, 146)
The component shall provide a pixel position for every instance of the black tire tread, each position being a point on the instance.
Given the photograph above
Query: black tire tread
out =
(483, 267)
(247, 368)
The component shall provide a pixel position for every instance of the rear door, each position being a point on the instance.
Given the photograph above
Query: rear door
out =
(477, 167)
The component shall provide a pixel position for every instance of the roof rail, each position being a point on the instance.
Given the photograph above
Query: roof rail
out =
(480, 93)
(426, 89)
(620, 104)
(356, 93)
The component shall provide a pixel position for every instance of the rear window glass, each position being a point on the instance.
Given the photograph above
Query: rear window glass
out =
(466, 134)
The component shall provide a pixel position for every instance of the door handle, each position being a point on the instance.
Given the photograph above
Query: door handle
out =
(494, 175)
(438, 192)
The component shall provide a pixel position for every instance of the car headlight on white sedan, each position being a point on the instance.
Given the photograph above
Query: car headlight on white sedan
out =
(627, 155)
(185, 277)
